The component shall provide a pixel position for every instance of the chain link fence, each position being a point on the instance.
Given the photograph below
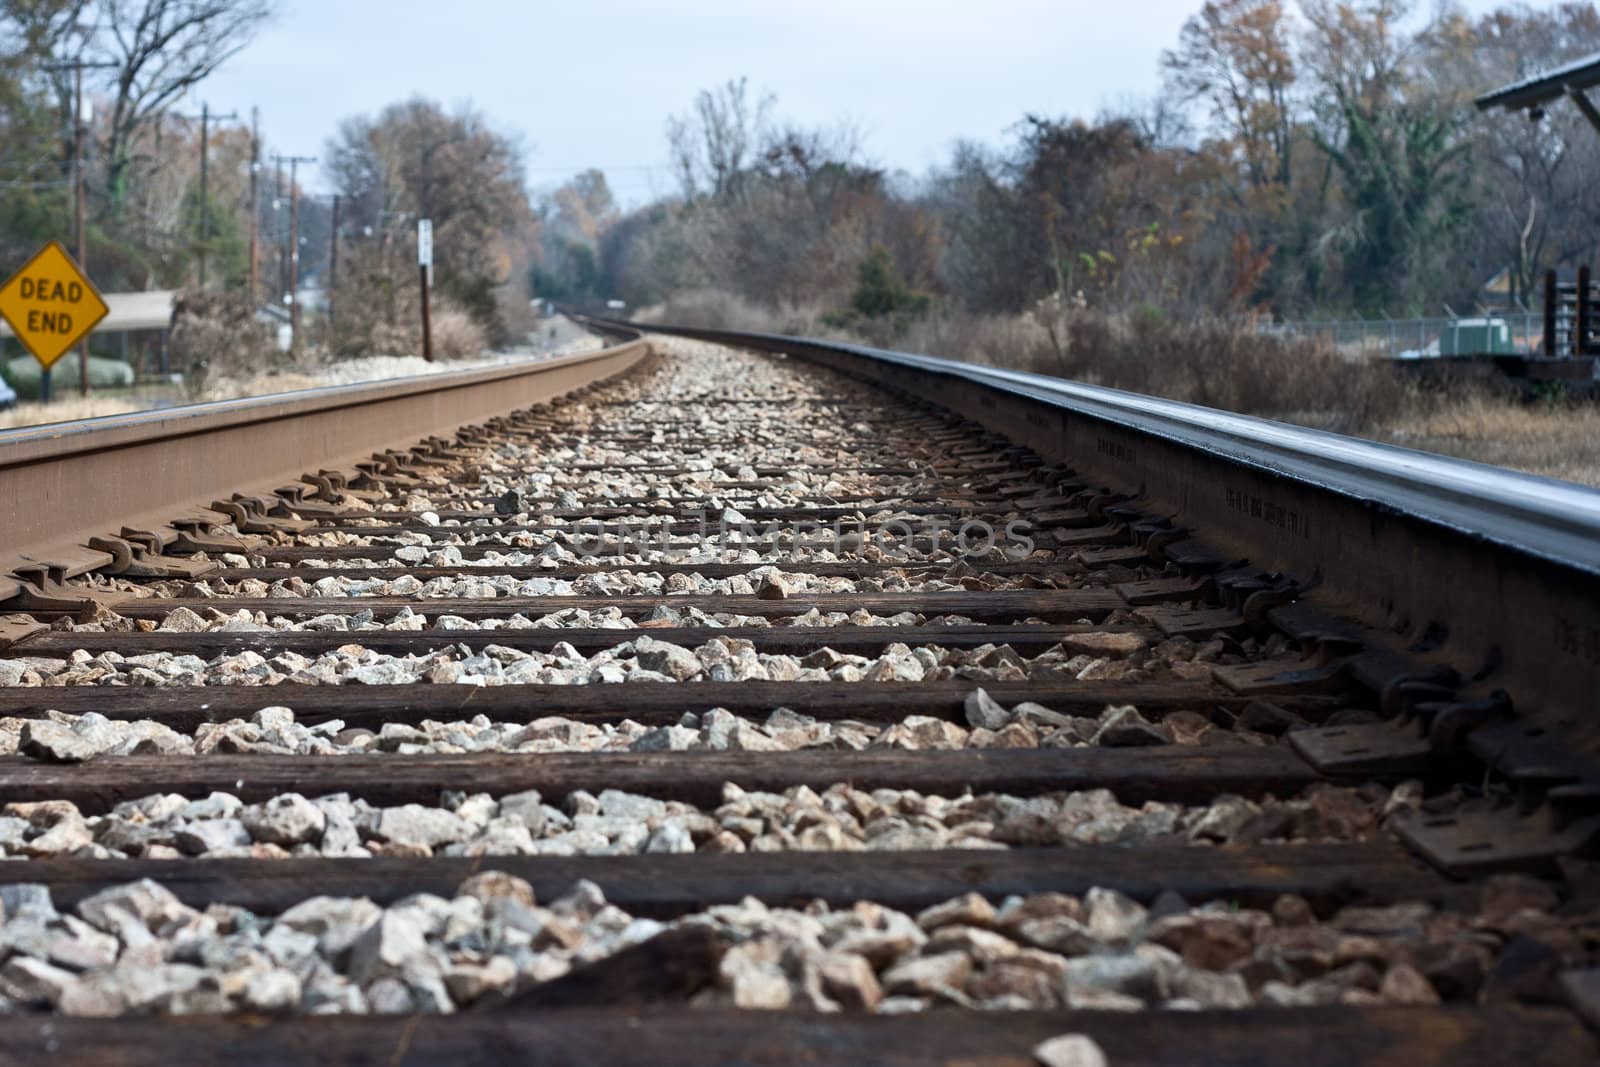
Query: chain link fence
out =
(1523, 333)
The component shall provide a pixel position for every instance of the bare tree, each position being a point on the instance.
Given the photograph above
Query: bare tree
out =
(415, 160)
(792, 151)
(1534, 180)
(36, 30)
(1236, 56)
(712, 145)
(37, 27)
(161, 48)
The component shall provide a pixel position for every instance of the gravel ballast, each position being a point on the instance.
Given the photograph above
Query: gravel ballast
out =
(137, 949)
(840, 818)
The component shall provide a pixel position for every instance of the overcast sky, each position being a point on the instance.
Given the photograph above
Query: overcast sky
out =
(592, 83)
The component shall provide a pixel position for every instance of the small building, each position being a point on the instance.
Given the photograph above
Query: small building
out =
(1571, 310)
(1569, 80)
(143, 318)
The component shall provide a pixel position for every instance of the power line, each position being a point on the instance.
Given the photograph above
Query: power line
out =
(255, 205)
(79, 121)
(602, 167)
(206, 118)
(294, 247)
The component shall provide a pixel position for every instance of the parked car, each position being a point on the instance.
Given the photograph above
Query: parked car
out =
(8, 395)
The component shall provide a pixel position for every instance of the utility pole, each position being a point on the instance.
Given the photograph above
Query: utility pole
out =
(205, 203)
(333, 257)
(277, 226)
(255, 208)
(425, 265)
(293, 295)
(79, 119)
(78, 212)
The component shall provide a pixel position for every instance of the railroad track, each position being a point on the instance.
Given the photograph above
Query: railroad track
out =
(788, 702)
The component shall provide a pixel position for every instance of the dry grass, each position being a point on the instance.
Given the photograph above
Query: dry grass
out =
(226, 354)
(457, 336)
(1224, 364)
(1556, 440)
(32, 413)
(307, 375)
(713, 309)
(277, 381)
(1217, 363)
(217, 336)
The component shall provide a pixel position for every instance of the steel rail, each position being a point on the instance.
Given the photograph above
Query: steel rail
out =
(64, 483)
(1541, 517)
(1492, 570)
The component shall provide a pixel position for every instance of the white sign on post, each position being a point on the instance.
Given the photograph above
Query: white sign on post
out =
(424, 242)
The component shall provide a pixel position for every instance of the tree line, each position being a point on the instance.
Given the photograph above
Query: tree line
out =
(1317, 159)
(152, 221)
(1303, 160)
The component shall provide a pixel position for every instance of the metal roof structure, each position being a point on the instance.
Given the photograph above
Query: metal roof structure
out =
(1570, 80)
(130, 311)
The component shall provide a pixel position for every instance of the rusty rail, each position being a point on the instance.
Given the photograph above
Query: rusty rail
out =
(97, 477)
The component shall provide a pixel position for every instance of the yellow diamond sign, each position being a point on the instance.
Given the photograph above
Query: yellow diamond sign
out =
(50, 304)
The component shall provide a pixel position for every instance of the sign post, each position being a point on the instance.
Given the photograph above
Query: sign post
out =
(425, 266)
(51, 305)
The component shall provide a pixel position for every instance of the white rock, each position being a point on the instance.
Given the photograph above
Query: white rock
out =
(526, 807)
(747, 738)
(334, 921)
(27, 900)
(273, 990)
(928, 974)
(670, 837)
(53, 742)
(666, 739)
(675, 661)
(215, 806)
(289, 947)
(414, 824)
(492, 886)
(288, 819)
(386, 946)
(849, 979)
(615, 803)
(208, 835)
(753, 974)
(183, 621)
(469, 981)
(273, 718)
(152, 904)
(1070, 1050)
(970, 909)
(389, 996)
(1112, 916)
(32, 981)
